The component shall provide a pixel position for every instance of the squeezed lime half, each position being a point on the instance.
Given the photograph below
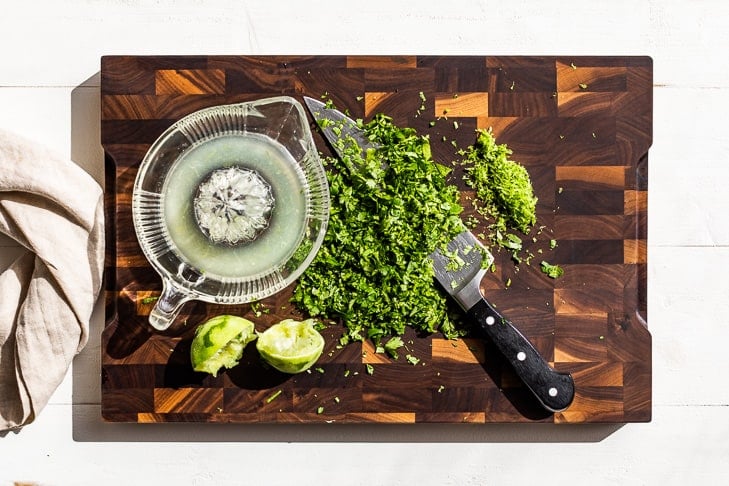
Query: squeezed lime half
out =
(219, 343)
(291, 346)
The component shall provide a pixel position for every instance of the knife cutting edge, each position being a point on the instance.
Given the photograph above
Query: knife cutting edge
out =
(459, 269)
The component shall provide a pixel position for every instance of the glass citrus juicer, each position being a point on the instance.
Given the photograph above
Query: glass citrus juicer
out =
(230, 204)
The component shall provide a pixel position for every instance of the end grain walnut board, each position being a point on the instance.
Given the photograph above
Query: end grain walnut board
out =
(581, 125)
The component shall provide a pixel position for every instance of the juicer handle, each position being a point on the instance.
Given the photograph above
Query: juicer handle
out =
(168, 305)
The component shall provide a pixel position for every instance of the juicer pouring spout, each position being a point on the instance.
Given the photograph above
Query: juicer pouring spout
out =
(173, 297)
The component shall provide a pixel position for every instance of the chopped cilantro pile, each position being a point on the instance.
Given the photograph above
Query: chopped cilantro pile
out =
(391, 207)
(502, 185)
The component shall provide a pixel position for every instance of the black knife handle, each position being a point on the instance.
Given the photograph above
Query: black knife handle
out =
(553, 389)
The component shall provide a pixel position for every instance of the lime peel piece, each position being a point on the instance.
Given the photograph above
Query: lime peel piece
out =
(291, 346)
(219, 343)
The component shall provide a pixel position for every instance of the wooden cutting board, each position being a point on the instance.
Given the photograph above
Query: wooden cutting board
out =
(581, 125)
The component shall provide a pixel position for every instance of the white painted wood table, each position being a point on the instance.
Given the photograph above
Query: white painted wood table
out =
(49, 91)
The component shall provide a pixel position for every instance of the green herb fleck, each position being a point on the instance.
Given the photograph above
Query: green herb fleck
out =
(392, 345)
(274, 396)
(320, 410)
(150, 300)
(412, 359)
(552, 271)
(370, 369)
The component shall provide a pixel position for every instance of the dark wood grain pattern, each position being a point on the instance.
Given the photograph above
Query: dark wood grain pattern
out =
(581, 125)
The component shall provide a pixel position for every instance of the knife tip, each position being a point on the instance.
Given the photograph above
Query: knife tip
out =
(312, 103)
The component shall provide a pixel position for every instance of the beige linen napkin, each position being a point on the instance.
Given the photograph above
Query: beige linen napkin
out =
(53, 209)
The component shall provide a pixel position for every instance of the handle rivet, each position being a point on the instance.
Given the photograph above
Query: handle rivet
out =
(490, 320)
(521, 356)
(553, 392)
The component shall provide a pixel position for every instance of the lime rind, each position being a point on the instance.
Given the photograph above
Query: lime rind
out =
(219, 343)
(291, 346)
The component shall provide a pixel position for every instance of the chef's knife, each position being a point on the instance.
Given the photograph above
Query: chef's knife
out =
(459, 269)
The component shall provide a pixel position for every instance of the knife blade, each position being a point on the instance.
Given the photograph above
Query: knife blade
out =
(459, 268)
(339, 129)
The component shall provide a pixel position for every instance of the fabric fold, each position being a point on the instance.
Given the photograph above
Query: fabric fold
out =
(53, 209)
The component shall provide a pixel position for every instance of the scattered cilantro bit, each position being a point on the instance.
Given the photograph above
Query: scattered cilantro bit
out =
(370, 369)
(392, 345)
(150, 300)
(390, 208)
(258, 309)
(552, 244)
(320, 410)
(552, 271)
(412, 359)
(422, 102)
(274, 396)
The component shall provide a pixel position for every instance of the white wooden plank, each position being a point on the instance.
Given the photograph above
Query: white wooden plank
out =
(60, 44)
(63, 119)
(77, 33)
(682, 445)
(688, 316)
